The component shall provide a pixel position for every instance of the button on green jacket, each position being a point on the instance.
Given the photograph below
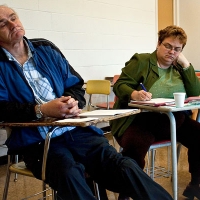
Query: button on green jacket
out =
(143, 68)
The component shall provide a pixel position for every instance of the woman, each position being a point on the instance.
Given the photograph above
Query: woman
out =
(162, 73)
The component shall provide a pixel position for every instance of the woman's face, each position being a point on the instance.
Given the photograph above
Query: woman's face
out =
(168, 50)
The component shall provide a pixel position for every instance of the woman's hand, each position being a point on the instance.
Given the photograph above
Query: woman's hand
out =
(141, 95)
(63, 107)
(181, 60)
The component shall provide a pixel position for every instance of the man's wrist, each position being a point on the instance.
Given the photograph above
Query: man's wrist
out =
(38, 111)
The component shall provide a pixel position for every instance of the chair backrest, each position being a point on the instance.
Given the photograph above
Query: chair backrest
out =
(115, 78)
(197, 74)
(97, 87)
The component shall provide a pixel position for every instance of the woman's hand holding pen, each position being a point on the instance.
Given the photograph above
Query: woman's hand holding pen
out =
(141, 95)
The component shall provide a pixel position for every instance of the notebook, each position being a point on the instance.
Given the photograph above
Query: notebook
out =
(110, 112)
(95, 114)
(195, 99)
(166, 101)
(155, 102)
(77, 119)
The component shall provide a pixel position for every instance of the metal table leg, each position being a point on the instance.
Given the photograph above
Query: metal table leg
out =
(174, 154)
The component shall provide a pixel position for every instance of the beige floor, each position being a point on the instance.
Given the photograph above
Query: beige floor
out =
(26, 186)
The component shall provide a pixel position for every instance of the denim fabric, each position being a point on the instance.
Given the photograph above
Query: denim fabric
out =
(83, 150)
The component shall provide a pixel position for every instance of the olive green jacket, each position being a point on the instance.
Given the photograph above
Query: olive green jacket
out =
(143, 68)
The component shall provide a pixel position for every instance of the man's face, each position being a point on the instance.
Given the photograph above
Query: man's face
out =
(11, 28)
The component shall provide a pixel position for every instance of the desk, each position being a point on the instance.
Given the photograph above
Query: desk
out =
(168, 111)
(54, 124)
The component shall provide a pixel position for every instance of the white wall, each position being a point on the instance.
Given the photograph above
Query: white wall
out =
(96, 36)
(189, 20)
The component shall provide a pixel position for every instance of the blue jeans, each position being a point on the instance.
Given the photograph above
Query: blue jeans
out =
(82, 150)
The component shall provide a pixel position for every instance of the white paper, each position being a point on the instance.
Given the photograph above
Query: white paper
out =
(110, 112)
(156, 101)
(78, 119)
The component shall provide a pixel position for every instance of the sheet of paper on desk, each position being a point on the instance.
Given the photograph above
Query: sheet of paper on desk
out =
(111, 112)
(156, 102)
(78, 119)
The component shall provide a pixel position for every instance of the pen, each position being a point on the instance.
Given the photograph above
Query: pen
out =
(143, 87)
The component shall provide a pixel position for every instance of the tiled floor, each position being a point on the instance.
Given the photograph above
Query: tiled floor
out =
(26, 186)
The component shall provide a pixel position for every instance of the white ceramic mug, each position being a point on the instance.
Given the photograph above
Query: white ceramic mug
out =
(179, 98)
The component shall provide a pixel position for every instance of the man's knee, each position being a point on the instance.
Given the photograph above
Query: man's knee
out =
(66, 167)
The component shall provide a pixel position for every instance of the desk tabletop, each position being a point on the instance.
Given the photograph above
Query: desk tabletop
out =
(165, 108)
(54, 121)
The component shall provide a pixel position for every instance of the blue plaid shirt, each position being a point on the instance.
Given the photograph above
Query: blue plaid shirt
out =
(41, 88)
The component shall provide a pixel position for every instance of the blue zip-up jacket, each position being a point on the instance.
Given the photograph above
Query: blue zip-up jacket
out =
(17, 100)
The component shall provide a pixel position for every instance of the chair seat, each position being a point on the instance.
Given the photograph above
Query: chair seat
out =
(20, 168)
(104, 105)
(159, 144)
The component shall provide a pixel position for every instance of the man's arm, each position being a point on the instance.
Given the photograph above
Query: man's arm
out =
(17, 112)
(77, 92)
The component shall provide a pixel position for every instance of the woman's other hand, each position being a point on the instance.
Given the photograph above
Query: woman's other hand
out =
(182, 60)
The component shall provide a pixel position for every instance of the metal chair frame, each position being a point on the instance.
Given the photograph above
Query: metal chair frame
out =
(159, 171)
(20, 168)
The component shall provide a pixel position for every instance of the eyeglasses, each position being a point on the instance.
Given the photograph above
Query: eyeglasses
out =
(170, 47)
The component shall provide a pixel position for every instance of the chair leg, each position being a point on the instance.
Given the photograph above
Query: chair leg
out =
(178, 151)
(168, 162)
(16, 161)
(152, 154)
(44, 190)
(54, 196)
(147, 168)
(96, 190)
(5, 193)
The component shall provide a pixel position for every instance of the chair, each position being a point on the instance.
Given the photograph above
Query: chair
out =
(97, 87)
(160, 171)
(20, 168)
(104, 105)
